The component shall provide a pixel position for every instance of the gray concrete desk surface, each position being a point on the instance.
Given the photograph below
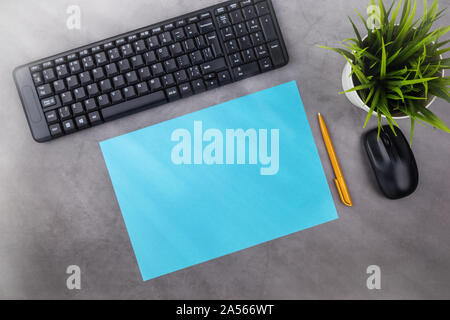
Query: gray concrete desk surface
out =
(57, 205)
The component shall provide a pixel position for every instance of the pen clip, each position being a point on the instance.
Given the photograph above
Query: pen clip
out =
(341, 194)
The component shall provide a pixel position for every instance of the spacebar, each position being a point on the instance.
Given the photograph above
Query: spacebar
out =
(130, 106)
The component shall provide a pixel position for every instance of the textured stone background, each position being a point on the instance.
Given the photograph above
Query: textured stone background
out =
(57, 205)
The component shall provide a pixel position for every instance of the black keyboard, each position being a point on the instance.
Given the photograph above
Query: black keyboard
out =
(149, 67)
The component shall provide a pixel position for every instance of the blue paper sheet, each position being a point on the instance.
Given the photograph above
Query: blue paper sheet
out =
(183, 207)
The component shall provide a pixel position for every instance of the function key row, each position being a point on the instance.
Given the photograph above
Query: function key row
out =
(157, 31)
(241, 4)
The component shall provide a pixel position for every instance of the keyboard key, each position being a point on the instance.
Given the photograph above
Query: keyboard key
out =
(72, 82)
(262, 8)
(144, 73)
(150, 58)
(276, 53)
(79, 94)
(77, 109)
(183, 61)
(48, 102)
(36, 68)
(51, 117)
(127, 50)
(185, 90)
(246, 70)
(257, 38)
(124, 65)
(64, 113)
(180, 76)
(81, 122)
(244, 42)
(92, 90)
(75, 67)
(248, 55)
(44, 91)
(149, 100)
(172, 94)
(105, 86)
(155, 84)
(224, 77)
(265, 64)
(55, 130)
(142, 88)
(193, 19)
(213, 40)
(198, 86)
(176, 49)
(189, 45)
(131, 77)
(179, 34)
(67, 98)
(236, 16)
(231, 46)
(98, 74)
(214, 66)
(59, 86)
(111, 70)
(170, 65)
(211, 84)
(163, 53)
(49, 75)
(157, 69)
(165, 38)
(94, 118)
(233, 6)
(118, 82)
(48, 64)
(227, 33)
(153, 42)
(85, 78)
(268, 28)
(206, 26)
(196, 57)
(62, 71)
(253, 25)
(220, 10)
(103, 101)
(246, 3)
(129, 93)
(205, 15)
(68, 126)
(139, 46)
(84, 53)
(88, 63)
(191, 30)
(240, 29)
(114, 55)
(116, 97)
(194, 72)
(223, 21)
(37, 78)
(261, 51)
(90, 105)
(167, 80)
(101, 59)
(137, 61)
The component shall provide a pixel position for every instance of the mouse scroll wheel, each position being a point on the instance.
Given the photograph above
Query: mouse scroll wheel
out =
(386, 140)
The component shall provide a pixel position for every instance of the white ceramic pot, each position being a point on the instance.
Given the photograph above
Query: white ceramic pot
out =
(347, 84)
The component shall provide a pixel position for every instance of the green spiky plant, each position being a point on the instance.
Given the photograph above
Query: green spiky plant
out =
(397, 68)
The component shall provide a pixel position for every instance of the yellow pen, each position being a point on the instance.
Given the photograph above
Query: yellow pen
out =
(339, 180)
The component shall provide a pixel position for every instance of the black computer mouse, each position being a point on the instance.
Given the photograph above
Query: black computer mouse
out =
(392, 161)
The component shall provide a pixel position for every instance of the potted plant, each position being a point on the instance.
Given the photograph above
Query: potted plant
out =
(397, 70)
